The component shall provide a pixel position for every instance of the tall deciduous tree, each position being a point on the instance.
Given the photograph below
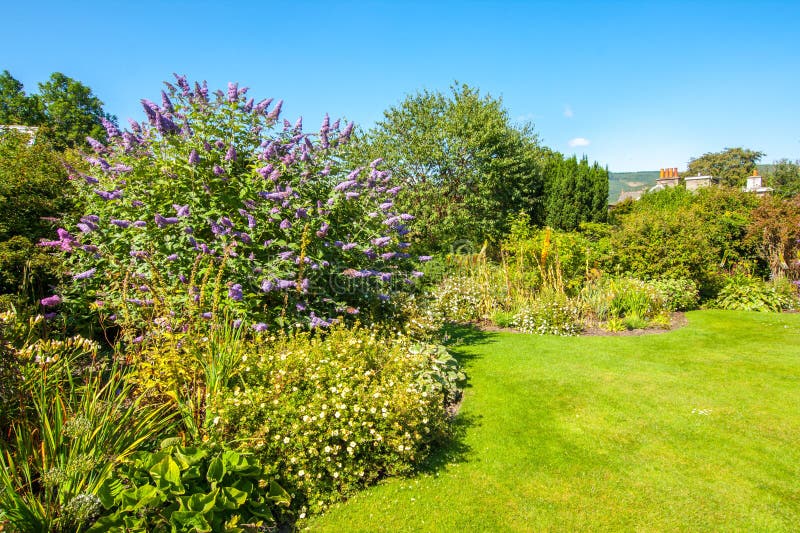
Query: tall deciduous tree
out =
(731, 166)
(785, 177)
(470, 166)
(15, 106)
(72, 111)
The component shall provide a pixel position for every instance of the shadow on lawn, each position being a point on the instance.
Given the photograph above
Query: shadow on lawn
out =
(458, 338)
(453, 449)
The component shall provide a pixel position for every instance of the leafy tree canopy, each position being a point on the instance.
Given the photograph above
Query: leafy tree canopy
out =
(72, 111)
(785, 177)
(470, 166)
(731, 166)
(15, 106)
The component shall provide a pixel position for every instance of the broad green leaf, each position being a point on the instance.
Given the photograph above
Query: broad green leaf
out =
(216, 470)
(191, 519)
(167, 476)
(277, 494)
(232, 498)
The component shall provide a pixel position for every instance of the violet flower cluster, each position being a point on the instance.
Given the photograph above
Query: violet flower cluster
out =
(217, 182)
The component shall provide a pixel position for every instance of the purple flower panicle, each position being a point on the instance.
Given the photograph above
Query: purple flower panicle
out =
(51, 301)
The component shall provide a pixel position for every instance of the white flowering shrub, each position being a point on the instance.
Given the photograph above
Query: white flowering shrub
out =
(458, 299)
(328, 416)
(549, 316)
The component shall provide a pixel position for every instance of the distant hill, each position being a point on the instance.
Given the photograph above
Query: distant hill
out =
(629, 181)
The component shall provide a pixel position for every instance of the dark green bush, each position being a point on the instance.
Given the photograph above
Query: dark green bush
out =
(34, 189)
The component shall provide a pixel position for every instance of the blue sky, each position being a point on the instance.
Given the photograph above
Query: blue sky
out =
(634, 85)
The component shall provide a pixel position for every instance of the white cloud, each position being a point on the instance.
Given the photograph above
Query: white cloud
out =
(527, 117)
(568, 111)
(579, 141)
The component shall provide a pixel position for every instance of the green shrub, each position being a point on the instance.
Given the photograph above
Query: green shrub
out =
(189, 489)
(678, 294)
(34, 190)
(634, 321)
(608, 297)
(633, 297)
(661, 321)
(328, 416)
(746, 293)
(503, 319)
(614, 324)
(598, 295)
(677, 234)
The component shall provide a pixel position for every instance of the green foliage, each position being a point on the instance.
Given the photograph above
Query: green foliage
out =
(614, 325)
(575, 192)
(189, 489)
(73, 422)
(679, 235)
(634, 321)
(503, 319)
(72, 112)
(609, 298)
(326, 416)
(556, 259)
(731, 166)
(34, 188)
(470, 166)
(678, 294)
(15, 106)
(784, 177)
(775, 233)
(742, 292)
(184, 368)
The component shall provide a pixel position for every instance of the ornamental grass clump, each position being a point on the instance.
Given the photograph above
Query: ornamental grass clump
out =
(74, 421)
(326, 416)
(214, 203)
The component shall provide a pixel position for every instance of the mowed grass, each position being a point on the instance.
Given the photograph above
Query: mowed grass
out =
(697, 429)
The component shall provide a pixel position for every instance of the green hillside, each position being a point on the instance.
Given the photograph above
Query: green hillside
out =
(629, 181)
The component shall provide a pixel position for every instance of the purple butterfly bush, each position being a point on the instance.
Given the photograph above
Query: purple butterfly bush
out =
(162, 221)
(50, 301)
(235, 292)
(96, 145)
(66, 242)
(109, 195)
(283, 161)
(111, 128)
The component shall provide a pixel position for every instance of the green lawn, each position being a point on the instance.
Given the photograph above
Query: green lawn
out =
(697, 429)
